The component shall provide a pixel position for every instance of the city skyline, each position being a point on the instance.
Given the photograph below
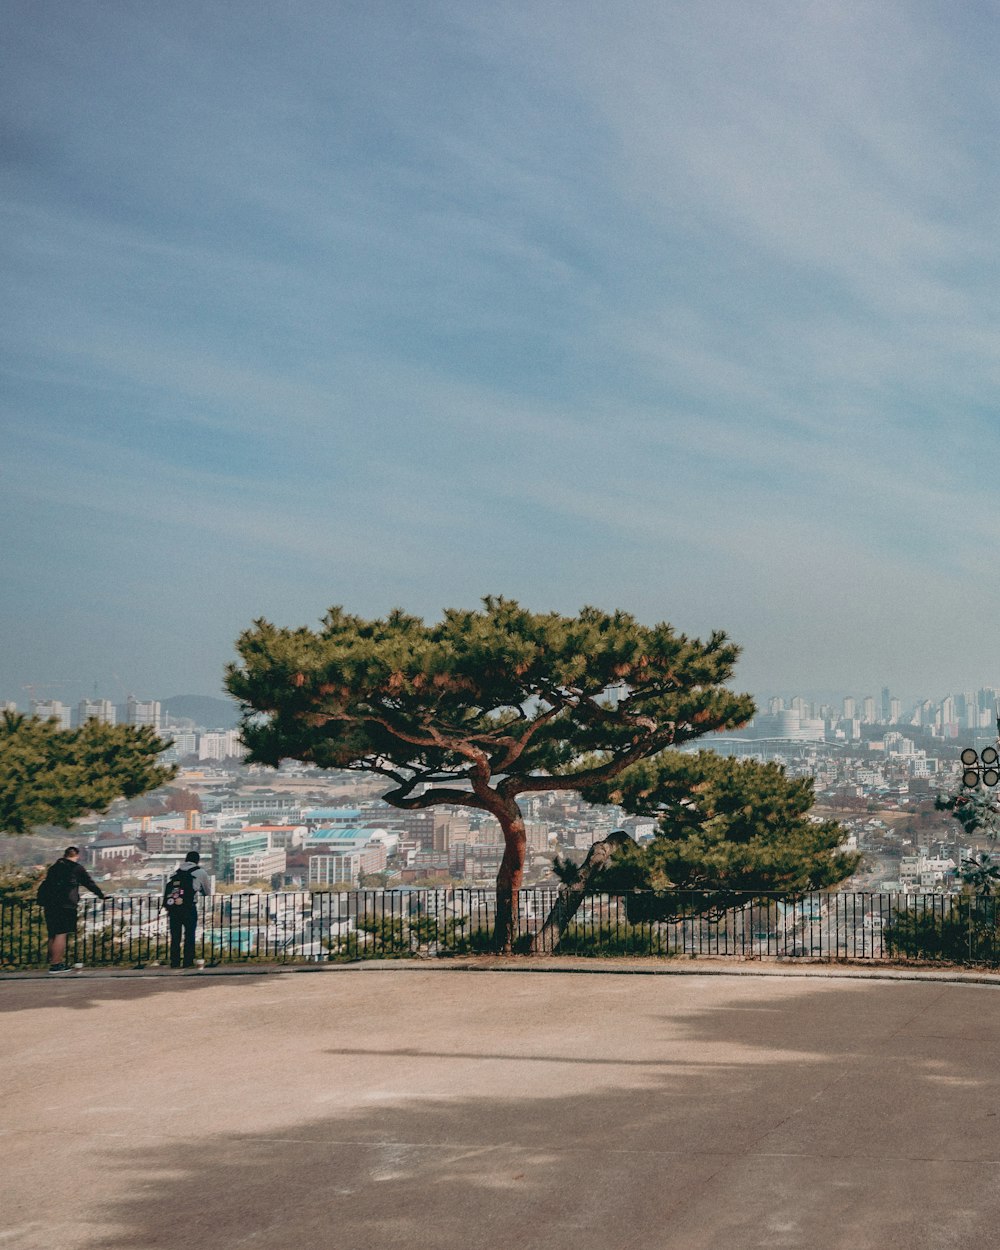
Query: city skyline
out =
(689, 314)
(877, 706)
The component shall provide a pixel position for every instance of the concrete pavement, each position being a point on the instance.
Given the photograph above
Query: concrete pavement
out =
(559, 1112)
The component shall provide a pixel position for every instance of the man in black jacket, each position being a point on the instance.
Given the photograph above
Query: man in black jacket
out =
(59, 895)
(180, 898)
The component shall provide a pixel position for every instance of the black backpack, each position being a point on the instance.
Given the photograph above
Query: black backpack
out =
(180, 890)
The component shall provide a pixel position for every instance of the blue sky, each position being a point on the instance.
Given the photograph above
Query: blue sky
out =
(689, 309)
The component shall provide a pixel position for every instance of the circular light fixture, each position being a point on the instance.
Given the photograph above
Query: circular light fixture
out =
(989, 755)
(969, 757)
(970, 777)
(991, 777)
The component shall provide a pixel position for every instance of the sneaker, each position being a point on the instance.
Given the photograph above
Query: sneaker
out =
(58, 968)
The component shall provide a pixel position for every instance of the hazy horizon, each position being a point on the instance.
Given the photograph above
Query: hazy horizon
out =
(683, 309)
(71, 695)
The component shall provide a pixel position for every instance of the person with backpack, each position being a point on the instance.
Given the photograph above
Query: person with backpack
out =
(180, 899)
(59, 895)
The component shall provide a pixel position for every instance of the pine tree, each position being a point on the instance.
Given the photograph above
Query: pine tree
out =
(730, 829)
(482, 707)
(52, 776)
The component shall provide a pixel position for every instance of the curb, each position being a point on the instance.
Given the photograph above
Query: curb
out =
(589, 968)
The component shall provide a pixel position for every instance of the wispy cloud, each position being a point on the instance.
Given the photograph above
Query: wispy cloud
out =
(686, 308)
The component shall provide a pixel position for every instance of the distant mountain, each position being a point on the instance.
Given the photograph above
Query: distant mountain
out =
(203, 710)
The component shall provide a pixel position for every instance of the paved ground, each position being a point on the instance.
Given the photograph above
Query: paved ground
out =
(375, 1109)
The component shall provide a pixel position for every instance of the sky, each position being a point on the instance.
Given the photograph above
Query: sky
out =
(691, 310)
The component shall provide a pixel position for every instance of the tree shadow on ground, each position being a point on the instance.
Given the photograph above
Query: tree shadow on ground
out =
(83, 992)
(844, 1116)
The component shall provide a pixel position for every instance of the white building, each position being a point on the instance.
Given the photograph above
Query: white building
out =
(787, 724)
(283, 837)
(920, 872)
(258, 866)
(185, 743)
(102, 710)
(346, 867)
(47, 709)
(221, 744)
(103, 852)
(141, 712)
(935, 873)
(266, 805)
(896, 744)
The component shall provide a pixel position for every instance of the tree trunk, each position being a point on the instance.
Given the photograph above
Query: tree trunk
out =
(509, 879)
(570, 897)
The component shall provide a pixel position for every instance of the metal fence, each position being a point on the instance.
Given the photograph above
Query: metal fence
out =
(132, 931)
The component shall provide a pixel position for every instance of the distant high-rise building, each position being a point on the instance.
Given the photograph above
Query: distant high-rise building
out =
(46, 709)
(895, 711)
(868, 710)
(787, 724)
(775, 704)
(222, 744)
(142, 712)
(96, 709)
(185, 742)
(886, 706)
(849, 707)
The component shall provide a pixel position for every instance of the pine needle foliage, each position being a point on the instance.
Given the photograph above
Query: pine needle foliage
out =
(482, 706)
(976, 809)
(731, 829)
(52, 776)
(501, 690)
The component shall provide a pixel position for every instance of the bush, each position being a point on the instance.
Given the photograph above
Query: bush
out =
(621, 939)
(961, 930)
(477, 942)
(22, 935)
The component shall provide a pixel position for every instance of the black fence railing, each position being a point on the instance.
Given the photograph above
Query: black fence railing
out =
(132, 931)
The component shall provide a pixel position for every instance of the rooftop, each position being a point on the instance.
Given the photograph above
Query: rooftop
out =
(340, 833)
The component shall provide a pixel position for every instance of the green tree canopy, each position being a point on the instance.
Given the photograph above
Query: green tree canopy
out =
(730, 829)
(52, 776)
(483, 706)
(18, 884)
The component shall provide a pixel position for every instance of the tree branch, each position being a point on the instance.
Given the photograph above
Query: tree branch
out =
(434, 798)
(653, 743)
(374, 764)
(518, 745)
